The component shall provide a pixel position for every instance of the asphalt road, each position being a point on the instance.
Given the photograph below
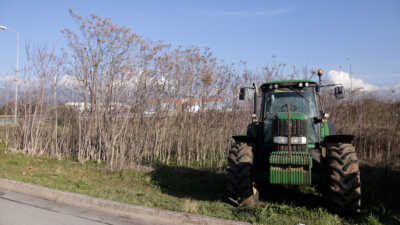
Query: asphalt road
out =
(20, 209)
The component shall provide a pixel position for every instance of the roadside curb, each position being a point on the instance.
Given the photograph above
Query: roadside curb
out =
(120, 209)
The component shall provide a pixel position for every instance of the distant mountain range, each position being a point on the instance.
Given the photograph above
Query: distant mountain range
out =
(67, 89)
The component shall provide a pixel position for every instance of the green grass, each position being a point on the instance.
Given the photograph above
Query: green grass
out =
(180, 189)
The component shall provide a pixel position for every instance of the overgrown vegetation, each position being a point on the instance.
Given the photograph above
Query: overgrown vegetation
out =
(112, 74)
(374, 121)
(376, 125)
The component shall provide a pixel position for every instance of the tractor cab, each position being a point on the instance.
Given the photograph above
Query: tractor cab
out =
(295, 99)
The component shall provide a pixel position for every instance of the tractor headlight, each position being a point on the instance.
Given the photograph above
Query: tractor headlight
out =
(293, 140)
(298, 140)
(300, 84)
(280, 140)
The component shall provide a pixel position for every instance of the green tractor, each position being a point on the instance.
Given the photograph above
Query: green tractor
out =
(291, 142)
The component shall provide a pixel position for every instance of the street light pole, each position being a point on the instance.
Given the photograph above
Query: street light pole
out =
(16, 80)
(16, 74)
(351, 79)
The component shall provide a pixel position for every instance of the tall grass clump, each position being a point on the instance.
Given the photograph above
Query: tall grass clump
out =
(375, 122)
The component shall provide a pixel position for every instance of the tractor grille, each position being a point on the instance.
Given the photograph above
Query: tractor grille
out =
(290, 164)
(298, 128)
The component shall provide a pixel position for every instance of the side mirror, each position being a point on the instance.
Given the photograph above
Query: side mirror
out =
(339, 92)
(242, 94)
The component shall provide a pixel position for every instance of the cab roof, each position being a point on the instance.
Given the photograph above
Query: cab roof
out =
(286, 83)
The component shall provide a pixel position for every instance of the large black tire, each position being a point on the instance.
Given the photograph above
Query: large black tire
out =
(240, 188)
(344, 184)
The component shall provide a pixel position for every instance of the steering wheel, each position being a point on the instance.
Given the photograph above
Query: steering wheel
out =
(284, 108)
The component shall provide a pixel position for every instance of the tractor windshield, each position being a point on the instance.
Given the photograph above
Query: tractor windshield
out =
(294, 100)
(298, 100)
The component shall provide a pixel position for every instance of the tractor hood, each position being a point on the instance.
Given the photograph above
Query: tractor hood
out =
(291, 115)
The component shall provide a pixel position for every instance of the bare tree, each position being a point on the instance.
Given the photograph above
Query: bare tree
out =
(42, 70)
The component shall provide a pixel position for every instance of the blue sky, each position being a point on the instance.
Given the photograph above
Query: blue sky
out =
(301, 33)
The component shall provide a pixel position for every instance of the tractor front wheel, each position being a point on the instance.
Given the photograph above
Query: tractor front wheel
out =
(240, 187)
(344, 177)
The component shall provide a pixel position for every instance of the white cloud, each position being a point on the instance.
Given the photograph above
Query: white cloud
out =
(341, 77)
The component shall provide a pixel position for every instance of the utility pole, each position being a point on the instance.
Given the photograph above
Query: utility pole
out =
(16, 74)
(351, 79)
(16, 80)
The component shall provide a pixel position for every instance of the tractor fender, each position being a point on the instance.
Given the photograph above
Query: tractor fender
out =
(342, 138)
(243, 138)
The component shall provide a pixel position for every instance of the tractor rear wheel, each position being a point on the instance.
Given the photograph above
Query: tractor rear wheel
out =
(240, 187)
(344, 185)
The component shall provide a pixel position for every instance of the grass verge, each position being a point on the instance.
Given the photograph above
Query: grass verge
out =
(180, 189)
